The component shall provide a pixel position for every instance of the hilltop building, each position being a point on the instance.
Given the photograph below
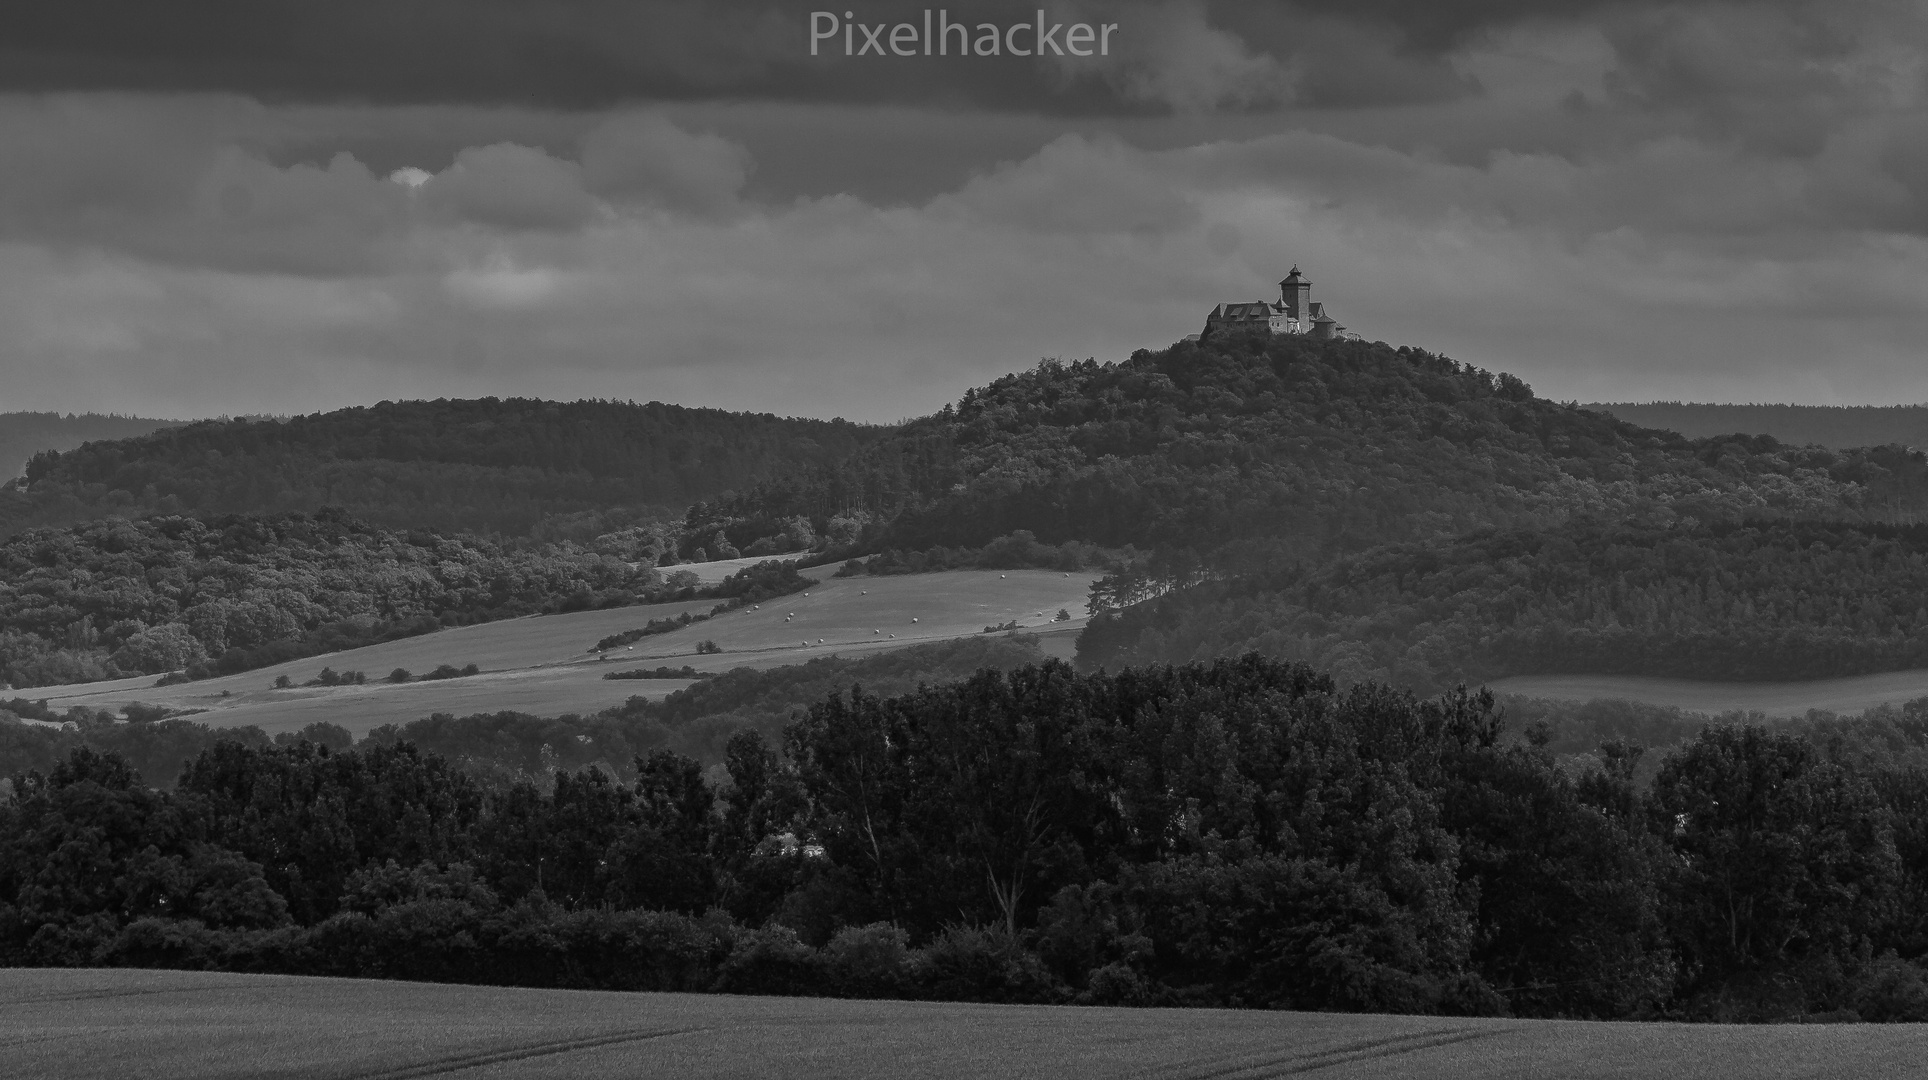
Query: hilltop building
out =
(1294, 312)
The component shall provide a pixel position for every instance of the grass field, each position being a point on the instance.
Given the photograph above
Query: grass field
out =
(543, 664)
(1849, 695)
(178, 1025)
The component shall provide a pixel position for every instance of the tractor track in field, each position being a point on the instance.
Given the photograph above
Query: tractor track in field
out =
(123, 992)
(1267, 1066)
(460, 1062)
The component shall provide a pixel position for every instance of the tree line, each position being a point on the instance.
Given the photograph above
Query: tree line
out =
(1243, 833)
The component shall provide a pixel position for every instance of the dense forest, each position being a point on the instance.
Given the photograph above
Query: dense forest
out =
(24, 434)
(1253, 448)
(1764, 600)
(509, 467)
(230, 593)
(1242, 834)
(1837, 426)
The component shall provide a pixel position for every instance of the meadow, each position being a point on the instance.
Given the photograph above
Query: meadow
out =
(86, 1023)
(545, 665)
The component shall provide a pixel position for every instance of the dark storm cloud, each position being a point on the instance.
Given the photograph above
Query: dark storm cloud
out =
(560, 53)
(265, 206)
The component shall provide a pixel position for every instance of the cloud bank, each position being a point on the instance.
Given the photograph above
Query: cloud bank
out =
(1715, 201)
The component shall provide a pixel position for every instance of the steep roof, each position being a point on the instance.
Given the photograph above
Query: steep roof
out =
(1256, 310)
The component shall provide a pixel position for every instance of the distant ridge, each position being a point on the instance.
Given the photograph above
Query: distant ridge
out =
(1834, 426)
(24, 434)
(511, 467)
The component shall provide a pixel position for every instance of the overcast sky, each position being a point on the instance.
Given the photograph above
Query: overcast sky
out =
(283, 207)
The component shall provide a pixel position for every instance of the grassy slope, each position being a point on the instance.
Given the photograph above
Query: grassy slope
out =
(207, 1025)
(542, 664)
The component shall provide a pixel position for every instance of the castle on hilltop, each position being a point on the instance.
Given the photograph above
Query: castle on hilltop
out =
(1294, 312)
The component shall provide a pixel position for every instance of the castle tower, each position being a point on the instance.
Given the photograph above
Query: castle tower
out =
(1322, 324)
(1295, 293)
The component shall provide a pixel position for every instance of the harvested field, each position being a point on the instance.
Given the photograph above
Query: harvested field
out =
(178, 1025)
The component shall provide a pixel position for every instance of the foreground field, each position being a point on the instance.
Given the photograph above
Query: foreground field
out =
(544, 665)
(166, 1025)
(1850, 695)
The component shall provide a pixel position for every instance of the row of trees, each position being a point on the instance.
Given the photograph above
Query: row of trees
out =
(1242, 833)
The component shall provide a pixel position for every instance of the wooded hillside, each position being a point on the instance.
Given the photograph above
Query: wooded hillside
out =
(1286, 448)
(512, 467)
(1765, 601)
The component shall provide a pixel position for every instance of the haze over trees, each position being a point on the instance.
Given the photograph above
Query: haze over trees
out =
(24, 434)
(1836, 426)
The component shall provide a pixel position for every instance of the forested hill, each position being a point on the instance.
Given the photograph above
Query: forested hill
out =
(24, 434)
(1289, 448)
(1838, 426)
(511, 467)
(1771, 600)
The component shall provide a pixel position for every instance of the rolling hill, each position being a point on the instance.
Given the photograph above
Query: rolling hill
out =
(1246, 465)
(513, 467)
(1254, 449)
(1767, 600)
